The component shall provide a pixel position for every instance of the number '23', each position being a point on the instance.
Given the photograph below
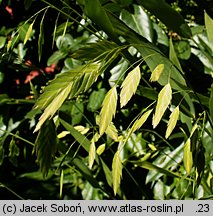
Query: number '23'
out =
(203, 208)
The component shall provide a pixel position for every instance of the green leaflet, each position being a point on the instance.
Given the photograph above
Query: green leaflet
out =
(3, 40)
(164, 99)
(156, 73)
(77, 111)
(85, 171)
(209, 28)
(45, 146)
(56, 57)
(70, 84)
(108, 109)
(172, 121)
(99, 16)
(150, 166)
(129, 85)
(116, 172)
(172, 55)
(81, 139)
(147, 92)
(96, 99)
(139, 22)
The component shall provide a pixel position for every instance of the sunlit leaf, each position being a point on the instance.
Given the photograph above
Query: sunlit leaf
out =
(29, 32)
(90, 193)
(116, 172)
(164, 99)
(96, 137)
(139, 122)
(129, 85)
(172, 121)
(108, 109)
(53, 106)
(70, 83)
(101, 149)
(150, 53)
(187, 156)
(61, 183)
(81, 129)
(160, 190)
(139, 21)
(9, 44)
(112, 132)
(92, 153)
(63, 134)
(152, 147)
(156, 73)
(209, 28)
(187, 153)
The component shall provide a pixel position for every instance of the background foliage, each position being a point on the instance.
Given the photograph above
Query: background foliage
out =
(106, 99)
